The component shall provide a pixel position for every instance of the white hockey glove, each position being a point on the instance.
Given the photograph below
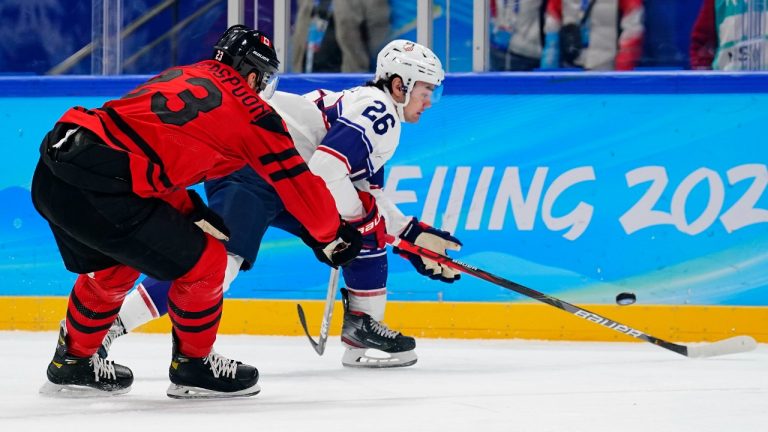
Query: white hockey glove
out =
(435, 240)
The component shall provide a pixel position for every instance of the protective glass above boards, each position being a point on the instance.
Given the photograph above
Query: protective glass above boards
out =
(146, 36)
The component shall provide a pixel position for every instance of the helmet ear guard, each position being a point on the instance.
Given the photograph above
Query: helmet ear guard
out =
(249, 51)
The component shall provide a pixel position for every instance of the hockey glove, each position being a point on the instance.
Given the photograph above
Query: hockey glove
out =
(435, 240)
(207, 219)
(371, 226)
(343, 249)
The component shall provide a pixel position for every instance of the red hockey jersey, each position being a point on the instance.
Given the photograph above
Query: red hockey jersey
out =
(202, 121)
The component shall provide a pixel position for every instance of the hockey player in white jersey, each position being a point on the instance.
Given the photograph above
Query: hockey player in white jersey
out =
(346, 137)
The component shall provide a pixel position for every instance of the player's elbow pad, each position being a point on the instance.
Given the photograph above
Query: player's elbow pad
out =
(328, 167)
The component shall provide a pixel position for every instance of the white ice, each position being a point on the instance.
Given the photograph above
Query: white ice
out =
(457, 385)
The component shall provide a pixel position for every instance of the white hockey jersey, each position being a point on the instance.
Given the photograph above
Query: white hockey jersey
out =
(346, 138)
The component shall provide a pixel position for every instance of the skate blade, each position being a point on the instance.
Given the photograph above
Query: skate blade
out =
(50, 389)
(177, 391)
(372, 358)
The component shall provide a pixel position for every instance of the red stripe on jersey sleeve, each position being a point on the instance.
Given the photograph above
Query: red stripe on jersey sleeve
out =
(337, 155)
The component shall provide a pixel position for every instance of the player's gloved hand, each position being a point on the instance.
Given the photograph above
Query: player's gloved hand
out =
(343, 249)
(371, 226)
(207, 219)
(435, 240)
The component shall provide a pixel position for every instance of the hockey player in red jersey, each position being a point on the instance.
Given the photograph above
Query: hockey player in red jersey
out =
(347, 138)
(112, 183)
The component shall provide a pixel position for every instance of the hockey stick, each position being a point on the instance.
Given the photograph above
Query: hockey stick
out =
(330, 300)
(733, 345)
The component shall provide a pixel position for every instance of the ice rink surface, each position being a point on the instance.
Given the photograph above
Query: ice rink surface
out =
(457, 385)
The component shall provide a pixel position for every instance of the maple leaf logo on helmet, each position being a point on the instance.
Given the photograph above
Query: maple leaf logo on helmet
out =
(265, 41)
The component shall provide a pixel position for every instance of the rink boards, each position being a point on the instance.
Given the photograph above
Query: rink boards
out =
(463, 320)
(578, 185)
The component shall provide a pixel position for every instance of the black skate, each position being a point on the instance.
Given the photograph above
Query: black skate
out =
(84, 376)
(361, 333)
(117, 330)
(212, 376)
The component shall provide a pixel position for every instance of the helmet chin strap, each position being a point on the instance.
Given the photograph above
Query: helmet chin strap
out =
(399, 107)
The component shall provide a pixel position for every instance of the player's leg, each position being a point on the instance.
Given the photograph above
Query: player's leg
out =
(248, 205)
(195, 305)
(95, 297)
(154, 238)
(364, 302)
(75, 368)
(150, 298)
(92, 306)
(365, 299)
(150, 301)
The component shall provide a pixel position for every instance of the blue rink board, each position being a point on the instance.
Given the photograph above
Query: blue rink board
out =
(578, 186)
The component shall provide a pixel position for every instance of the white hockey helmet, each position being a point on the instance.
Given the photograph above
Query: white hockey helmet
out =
(411, 62)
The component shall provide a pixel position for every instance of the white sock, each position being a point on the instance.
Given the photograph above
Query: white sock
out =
(233, 268)
(372, 303)
(138, 308)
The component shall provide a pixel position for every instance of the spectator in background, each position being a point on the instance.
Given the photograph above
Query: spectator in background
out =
(339, 36)
(516, 34)
(314, 38)
(593, 34)
(730, 35)
(362, 28)
(300, 35)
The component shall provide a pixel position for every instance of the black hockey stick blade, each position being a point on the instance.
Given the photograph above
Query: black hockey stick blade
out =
(303, 321)
(733, 345)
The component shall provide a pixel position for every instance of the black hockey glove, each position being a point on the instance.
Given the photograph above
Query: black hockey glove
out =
(207, 219)
(435, 240)
(343, 249)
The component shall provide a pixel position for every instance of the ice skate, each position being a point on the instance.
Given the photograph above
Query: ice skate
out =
(210, 377)
(70, 376)
(371, 344)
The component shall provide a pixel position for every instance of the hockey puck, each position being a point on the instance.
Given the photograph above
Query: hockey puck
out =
(625, 299)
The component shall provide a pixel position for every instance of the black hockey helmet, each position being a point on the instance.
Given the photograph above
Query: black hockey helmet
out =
(249, 51)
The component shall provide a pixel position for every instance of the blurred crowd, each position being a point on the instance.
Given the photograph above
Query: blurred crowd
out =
(344, 35)
(608, 34)
(527, 35)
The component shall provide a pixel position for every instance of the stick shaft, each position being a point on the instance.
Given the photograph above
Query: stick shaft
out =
(536, 295)
(330, 301)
